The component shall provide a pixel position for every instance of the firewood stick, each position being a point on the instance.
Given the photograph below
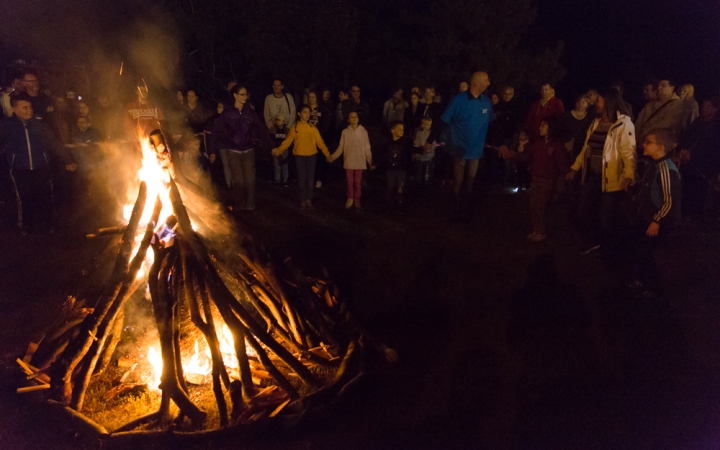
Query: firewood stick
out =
(271, 317)
(37, 387)
(107, 352)
(224, 299)
(192, 293)
(263, 296)
(130, 285)
(64, 367)
(109, 231)
(142, 420)
(272, 370)
(164, 320)
(207, 309)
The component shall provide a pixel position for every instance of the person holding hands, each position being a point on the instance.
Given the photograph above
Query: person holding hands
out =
(355, 146)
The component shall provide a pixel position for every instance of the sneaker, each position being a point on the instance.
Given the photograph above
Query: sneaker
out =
(348, 203)
(357, 203)
(590, 249)
(318, 184)
(285, 184)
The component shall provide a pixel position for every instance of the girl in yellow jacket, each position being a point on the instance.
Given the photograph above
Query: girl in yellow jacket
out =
(305, 139)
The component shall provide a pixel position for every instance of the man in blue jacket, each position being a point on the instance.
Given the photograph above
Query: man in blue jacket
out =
(467, 119)
(28, 145)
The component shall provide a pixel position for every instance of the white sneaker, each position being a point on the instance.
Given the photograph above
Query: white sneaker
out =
(318, 184)
(348, 203)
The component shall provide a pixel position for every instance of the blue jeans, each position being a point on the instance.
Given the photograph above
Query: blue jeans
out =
(281, 168)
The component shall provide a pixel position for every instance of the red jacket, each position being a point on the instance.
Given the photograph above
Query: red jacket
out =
(538, 112)
(548, 160)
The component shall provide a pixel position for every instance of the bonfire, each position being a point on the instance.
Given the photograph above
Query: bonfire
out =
(270, 341)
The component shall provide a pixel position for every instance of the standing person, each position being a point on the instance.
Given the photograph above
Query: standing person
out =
(355, 146)
(700, 161)
(575, 124)
(501, 133)
(15, 86)
(305, 139)
(339, 121)
(42, 104)
(29, 145)
(279, 102)
(429, 107)
(233, 132)
(608, 162)
(142, 116)
(658, 210)
(326, 101)
(423, 158)
(591, 94)
(549, 163)
(279, 132)
(320, 118)
(547, 106)
(690, 105)
(396, 155)
(620, 87)
(468, 118)
(394, 109)
(108, 118)
(667, 111)
(413, 114)
(196, 115)
(463, 87)
(356, 104)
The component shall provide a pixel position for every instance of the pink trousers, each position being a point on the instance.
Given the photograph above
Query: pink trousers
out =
(354, 182)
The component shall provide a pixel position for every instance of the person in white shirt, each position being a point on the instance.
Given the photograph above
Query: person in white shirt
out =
(279, 103)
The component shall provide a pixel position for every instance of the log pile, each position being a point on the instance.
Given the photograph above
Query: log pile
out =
(303, 343)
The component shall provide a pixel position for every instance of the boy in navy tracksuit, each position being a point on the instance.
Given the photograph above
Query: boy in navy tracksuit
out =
(28, 145)
(658, 209)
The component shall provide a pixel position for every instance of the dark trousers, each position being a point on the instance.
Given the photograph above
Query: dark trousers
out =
(242, 171)
(599, 212)
(395, 184)
(642, 250)
(541, 193)
(523, 175)
(443, 164)
(306, 176)
(422, 171)
(34, 196)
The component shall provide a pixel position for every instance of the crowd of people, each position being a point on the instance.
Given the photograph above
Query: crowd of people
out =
(666, 158)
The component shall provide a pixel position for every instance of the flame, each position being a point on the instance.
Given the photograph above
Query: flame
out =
(155, 360)
(198, 363)
(157, 179)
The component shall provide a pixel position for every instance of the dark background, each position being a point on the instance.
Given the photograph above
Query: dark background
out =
(376, 43)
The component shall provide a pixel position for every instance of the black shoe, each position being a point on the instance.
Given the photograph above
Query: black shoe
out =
(590, 249)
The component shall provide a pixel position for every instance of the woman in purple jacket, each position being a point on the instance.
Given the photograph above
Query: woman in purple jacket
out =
(233, 133)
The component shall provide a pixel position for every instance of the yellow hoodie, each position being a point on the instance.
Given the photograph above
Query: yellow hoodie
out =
(307, 140)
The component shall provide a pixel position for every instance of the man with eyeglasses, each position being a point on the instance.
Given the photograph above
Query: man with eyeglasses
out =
(279, 102)
(42, 104)
(357, 105)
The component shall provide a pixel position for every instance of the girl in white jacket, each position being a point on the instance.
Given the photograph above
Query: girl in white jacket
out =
(355, 145)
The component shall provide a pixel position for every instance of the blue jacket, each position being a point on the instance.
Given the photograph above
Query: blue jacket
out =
(28, 145)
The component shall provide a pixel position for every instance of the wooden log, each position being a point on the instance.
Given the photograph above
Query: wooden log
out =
(64, 367)
(85, 427)
(109, 349)
(37, 387)
(108, 231)
(131, 283)
(224, 299)
(192, 297)
(164, 319)
(272, 370)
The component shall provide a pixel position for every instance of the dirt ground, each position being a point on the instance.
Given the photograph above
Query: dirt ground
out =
(503, 344)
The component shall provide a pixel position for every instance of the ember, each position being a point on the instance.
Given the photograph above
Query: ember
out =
(271, 339)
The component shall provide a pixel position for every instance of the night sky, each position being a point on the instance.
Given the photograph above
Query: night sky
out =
(604, 41)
